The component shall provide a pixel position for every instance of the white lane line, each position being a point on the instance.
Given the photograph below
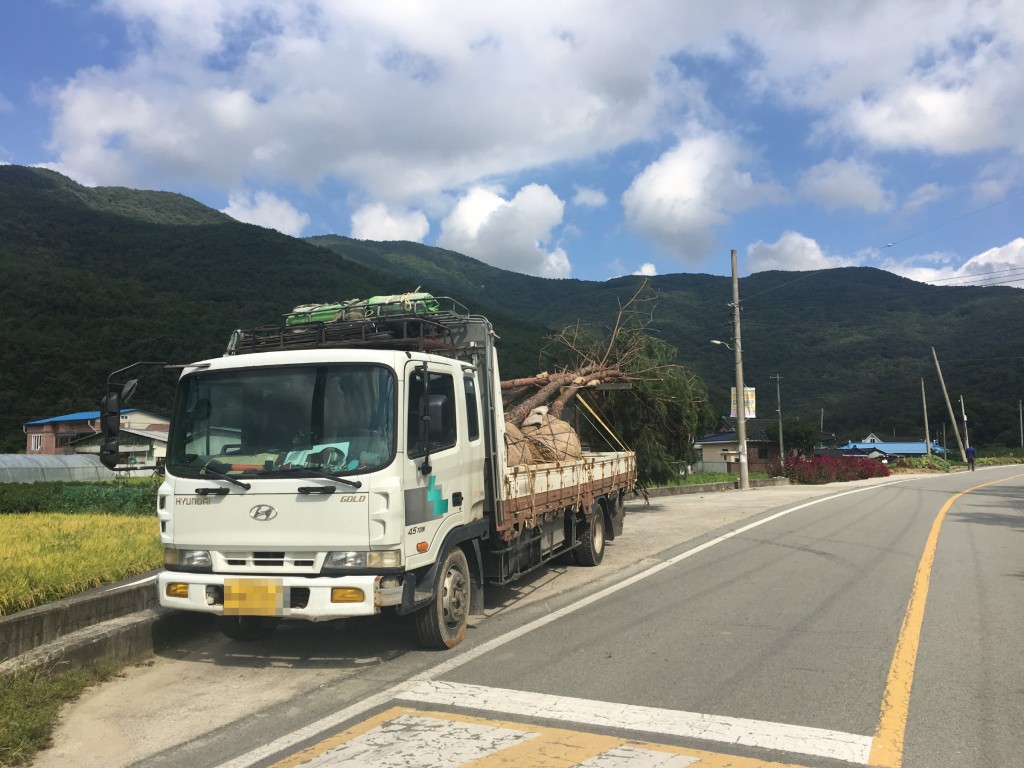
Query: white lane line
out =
(333, 720)
(816, 742)
(143, 580)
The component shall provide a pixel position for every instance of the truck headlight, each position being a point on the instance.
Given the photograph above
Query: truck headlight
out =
(390, 558)
(187, 559)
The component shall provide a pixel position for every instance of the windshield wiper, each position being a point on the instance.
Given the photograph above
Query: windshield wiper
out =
(311, 472)
(222, 476)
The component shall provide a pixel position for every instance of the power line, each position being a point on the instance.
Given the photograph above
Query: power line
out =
(978, 275)
(954, 220)
(879, 249)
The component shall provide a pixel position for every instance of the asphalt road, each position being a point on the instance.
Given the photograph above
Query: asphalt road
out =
(869, 622)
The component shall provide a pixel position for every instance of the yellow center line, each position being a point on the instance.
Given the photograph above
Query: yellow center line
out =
(887, 745)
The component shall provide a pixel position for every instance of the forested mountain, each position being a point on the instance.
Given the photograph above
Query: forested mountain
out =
(93, 279)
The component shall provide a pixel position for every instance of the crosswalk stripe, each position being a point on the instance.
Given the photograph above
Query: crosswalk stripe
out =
(403, 737)
(803, 740)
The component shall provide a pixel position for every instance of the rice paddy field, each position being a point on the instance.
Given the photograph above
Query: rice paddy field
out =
(47, 556)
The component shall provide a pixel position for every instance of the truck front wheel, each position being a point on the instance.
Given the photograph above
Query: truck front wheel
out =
(442, 624)
(246, 628)
(591, 548)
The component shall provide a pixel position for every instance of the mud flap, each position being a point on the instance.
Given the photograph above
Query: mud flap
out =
(617, 513)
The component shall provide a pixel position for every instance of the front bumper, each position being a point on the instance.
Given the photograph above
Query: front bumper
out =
(291, 597)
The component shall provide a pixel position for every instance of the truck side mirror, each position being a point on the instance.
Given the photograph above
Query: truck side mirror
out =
(437, 426)
(110, 422)
(110, 427)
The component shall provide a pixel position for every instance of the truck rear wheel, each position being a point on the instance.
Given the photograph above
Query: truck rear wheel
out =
(247, 628)
(591, 549)
(442, 624)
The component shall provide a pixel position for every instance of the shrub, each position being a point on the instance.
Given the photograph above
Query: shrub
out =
(932, 463)
(136, 497)
(833, 469)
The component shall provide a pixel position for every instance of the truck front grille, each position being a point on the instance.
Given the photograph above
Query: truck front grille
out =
(269, 559)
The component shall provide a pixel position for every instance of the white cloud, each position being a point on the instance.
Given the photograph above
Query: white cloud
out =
(935, 75)
(589, 198)
(962, 104)
(377, 222)
(303, 90)
(647, 269)
(791, 252)
(838, 184)
(681, 198)
(267, 210)
(996, 179)
(1000, 265)
(260, 91)
(924, 196)
(512, 234)
(414, 104)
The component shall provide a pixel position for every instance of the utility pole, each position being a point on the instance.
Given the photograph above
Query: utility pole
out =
(1020, 412)
(741, 399)
(963, 411)
(778, 400)
(927, 434)
(949, 407)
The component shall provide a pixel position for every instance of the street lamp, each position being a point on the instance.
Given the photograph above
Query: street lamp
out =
(741, 416)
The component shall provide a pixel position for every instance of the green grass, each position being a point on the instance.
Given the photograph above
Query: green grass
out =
(47, 556)
(700, 478)
(30, 703)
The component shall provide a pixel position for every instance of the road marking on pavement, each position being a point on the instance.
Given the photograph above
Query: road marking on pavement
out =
(464, 657)
(887, 745)
(817, 742)
(135, 583)
(403, 737)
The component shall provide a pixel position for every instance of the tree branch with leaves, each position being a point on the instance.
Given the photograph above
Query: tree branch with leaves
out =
(661, 414)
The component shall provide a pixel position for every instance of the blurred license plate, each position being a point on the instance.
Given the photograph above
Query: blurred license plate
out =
(253, 597)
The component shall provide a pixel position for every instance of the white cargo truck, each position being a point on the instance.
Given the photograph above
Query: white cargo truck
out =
(342, 466)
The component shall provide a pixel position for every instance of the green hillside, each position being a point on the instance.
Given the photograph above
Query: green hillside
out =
(94, 279)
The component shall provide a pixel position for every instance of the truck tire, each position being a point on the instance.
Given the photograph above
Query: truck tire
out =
(247, 628)
(442, 624)
(590, 552)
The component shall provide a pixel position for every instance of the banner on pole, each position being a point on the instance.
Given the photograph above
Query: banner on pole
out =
(749, 403)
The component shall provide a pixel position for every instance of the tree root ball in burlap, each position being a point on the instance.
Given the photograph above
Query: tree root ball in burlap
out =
(551, 439)
(517, 447)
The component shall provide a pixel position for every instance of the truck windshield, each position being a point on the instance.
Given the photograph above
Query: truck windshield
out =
(282, 420)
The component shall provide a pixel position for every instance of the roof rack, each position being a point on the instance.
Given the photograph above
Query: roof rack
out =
(420, 324)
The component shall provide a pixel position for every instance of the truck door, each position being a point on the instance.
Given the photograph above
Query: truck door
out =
(435, 487)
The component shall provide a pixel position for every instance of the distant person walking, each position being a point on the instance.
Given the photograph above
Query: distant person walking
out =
(971, 456)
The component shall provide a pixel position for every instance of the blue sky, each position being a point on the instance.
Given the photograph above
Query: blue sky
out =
(581, 138)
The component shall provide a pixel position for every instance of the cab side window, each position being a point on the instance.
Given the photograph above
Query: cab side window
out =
(432, 425)
(472, 410)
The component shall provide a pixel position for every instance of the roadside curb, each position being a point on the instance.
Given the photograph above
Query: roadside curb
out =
(122, 623)
(26, 630)
(732, 485)
(126, 639)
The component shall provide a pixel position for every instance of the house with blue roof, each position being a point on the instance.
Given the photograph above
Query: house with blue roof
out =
(145, 434)
(881, 449)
